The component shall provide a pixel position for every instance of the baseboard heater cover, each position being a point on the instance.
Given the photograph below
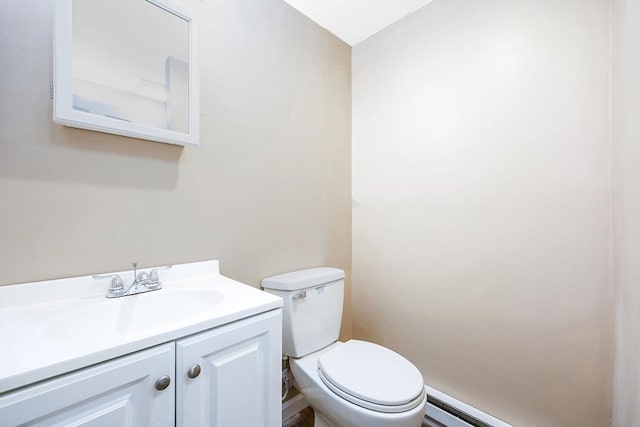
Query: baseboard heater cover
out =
(446, 411)
(439, 414)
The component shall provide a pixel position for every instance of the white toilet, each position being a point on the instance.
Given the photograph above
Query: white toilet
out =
(351, 384)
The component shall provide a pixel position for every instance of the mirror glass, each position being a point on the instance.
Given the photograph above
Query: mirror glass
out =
(130, 62)
(127, 67)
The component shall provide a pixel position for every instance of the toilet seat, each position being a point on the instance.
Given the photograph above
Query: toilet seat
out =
(372, 376)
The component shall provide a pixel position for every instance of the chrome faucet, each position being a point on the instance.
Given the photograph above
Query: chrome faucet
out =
(142, 282)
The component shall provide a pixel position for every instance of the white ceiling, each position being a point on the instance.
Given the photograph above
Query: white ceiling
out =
(356, 20)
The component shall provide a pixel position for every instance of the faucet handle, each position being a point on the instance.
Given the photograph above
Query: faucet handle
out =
(142, 277)
(116, 288)
(153, 274)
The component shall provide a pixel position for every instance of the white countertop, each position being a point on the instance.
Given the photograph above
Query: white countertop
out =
(57, 326)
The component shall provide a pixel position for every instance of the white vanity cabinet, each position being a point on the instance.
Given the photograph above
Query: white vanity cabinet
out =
(230, 376)
(237, 384)
(120, 392)
(204, 350)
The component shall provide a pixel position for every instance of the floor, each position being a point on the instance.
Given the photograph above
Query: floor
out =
(303, 418)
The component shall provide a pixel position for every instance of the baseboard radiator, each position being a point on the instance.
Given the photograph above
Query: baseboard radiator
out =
(446, 411)
(440, 414)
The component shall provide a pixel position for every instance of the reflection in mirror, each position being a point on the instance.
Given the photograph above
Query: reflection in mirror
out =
(130, 62)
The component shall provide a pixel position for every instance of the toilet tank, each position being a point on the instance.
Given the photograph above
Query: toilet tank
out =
(312, 308)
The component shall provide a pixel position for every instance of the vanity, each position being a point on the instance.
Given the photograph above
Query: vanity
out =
(203, 350)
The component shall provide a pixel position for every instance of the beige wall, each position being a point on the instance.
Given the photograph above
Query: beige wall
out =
(481, 232)
(481, 240)
(625, 23)
(268, 191)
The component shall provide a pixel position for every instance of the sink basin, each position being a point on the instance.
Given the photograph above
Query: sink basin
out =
(127, 315)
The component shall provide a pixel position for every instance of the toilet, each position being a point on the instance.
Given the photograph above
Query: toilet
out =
(348, 384)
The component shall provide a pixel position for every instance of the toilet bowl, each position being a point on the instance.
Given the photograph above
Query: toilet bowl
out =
(348, 384)
(371, 402)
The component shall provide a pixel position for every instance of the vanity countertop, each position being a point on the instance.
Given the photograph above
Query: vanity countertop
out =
(53, 327)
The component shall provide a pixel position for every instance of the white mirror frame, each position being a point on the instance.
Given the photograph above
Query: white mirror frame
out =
(65, 114)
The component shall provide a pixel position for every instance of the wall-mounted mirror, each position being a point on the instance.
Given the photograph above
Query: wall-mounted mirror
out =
(127, 67)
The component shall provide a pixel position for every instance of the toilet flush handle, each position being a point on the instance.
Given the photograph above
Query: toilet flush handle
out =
(301, 294)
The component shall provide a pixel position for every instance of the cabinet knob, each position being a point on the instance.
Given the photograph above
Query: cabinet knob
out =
(193, 371)
(163, 382)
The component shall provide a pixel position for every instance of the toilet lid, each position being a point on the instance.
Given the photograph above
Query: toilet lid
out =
(372, 376)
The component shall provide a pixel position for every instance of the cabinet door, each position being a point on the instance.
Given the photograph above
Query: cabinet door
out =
(239, 381)
(120, 393)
